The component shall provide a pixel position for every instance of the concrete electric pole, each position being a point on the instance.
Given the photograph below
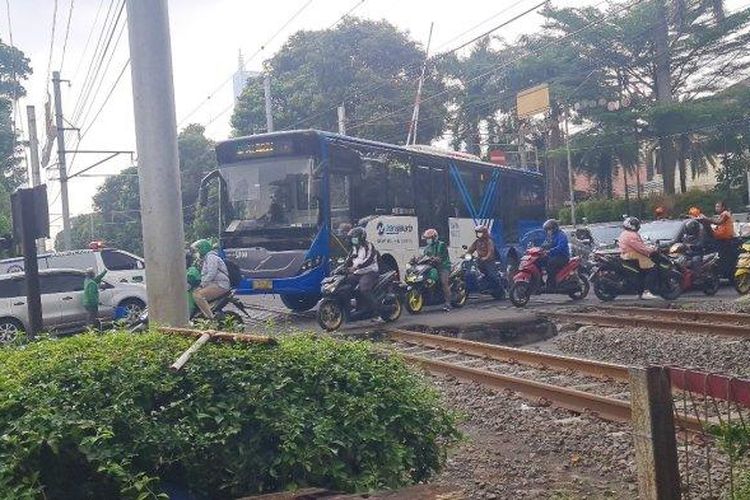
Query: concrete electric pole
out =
(342, 119)
(158, 164)
(62, 167)
(36, 178)
(269, 109)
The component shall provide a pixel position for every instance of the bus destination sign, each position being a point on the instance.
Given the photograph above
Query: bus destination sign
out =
(265, 148)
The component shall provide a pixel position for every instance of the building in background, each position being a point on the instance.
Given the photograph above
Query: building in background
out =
(239, 80)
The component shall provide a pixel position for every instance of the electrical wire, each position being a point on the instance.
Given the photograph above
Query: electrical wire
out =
(51, 42)
(106, 99)
(67, 34)
(88, 41)
(258, 51)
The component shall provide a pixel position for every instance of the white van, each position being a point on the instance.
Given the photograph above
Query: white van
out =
(121, 266)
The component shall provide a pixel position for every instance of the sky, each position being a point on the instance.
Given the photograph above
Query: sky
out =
(207, 36)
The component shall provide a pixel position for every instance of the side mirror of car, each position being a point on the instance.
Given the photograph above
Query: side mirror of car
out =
(464, 247)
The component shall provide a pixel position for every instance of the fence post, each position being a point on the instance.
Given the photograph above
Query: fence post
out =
(654, 434)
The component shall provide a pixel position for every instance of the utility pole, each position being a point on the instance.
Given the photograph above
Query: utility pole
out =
(411, 137)
(158, 164)
(342, 119)
(269, 110)
(571, 185)
(59, 124)
(36, 178)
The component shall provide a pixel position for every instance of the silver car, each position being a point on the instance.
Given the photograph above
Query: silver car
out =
(62, 302)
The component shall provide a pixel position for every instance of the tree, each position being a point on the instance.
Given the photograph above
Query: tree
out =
(370, 66)
(197, 158)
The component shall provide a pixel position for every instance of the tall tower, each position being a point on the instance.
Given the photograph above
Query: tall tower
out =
(239, 79)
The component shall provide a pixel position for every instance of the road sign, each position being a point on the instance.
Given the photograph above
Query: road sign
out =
(532, 101)
(498, 156)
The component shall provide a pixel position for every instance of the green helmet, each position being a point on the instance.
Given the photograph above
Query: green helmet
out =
(202, 247)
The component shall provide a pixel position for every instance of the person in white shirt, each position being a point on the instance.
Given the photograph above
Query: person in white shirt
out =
(363, 265)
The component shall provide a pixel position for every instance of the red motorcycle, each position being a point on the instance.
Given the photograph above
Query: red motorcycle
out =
(528, 279)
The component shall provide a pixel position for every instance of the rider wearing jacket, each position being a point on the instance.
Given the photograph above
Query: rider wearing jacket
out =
(485, 250)
(214, 277)
(363, 265)
(632, 246)
(439, 250)
(558, 250)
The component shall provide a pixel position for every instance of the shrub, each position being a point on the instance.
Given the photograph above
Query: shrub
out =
(103, 417)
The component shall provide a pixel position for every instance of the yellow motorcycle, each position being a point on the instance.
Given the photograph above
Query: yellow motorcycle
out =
(742, 272)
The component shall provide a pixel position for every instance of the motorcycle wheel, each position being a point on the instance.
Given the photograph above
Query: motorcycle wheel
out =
(460, 295)
(583, 289)
(231, 322)
(602, 293)
(393, 314)
(712, 284)
(414, 301)
(520, 293)
(330, 315)
(672, 288)
(742, 283)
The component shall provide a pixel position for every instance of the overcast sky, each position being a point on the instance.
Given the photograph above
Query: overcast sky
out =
(206, 38)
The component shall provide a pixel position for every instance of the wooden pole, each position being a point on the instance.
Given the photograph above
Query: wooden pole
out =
(185, 357)
(654, 434)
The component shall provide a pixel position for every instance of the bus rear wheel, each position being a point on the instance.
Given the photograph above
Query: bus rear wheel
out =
(300, 302)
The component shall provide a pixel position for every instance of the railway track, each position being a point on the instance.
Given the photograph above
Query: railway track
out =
(575, 384)
(677, 320)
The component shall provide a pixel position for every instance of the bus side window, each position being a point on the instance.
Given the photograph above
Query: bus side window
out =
(401, 189)
(371, 190)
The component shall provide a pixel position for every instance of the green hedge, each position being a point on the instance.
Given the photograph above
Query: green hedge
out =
(103, 417)
(606, 210)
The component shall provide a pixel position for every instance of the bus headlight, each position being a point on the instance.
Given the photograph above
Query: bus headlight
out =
(311, 264)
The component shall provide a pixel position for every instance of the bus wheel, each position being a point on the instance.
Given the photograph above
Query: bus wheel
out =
(300, 302)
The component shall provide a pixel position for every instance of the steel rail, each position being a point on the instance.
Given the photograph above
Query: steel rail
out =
(571, 399)
(512, 355)
(681, 314)
(683, 327)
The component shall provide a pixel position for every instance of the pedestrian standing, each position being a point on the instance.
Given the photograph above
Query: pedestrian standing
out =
(91, 296)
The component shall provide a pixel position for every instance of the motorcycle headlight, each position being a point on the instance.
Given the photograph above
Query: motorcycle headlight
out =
(311, 264)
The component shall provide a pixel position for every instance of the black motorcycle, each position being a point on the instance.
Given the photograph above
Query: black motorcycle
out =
(341, 300)
(613, 276)
(226, 319)
(423, 287)
(699, 271)
(477, 282)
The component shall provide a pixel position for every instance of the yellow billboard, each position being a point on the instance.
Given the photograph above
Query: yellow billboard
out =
(532, 101)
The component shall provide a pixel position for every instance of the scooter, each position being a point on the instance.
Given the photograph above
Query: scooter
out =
(423, 286)
(341, 301)
(528, 280)
(227, 320)
(703, 275)
(477, 282)
(613, 276)
(742, 271)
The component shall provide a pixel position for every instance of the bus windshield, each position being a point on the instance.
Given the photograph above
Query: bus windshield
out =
(273, 191)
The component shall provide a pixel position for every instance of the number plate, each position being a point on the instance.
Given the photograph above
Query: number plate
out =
(262, 284)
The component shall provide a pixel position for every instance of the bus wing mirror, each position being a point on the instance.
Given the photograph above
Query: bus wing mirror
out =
(203, 187)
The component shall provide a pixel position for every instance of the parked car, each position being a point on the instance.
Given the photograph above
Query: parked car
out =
(121, 266)
(62, 302)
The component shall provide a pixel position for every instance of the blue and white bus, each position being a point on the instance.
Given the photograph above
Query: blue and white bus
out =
(288, 199)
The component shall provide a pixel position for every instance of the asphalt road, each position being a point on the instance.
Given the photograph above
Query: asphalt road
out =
(269, 315)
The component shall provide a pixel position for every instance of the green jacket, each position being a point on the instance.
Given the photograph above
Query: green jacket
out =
(439, 249)
(91, 291)
(193, 280)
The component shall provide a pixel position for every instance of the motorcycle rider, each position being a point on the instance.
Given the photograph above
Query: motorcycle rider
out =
(214, 277)
(363, 265)
(558, 250)
(723, 221)
(632, 247)
(485, 250)
(439, 250)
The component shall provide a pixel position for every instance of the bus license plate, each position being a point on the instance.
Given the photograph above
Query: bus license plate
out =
(262, 284)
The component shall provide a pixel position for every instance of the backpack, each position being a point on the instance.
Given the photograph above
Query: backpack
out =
(233, 273)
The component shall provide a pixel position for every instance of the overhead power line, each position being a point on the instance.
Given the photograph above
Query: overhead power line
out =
(67, 34)
(106, 99)
(51, 41)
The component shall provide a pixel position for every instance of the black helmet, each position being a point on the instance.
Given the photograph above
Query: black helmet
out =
(631, 223)
(551, 225)
(692, 227)
(359, 233)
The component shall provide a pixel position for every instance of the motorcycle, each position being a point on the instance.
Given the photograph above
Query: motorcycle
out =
(228, 320)
(477, 282)
(701, 276)
(340, 301)
(528, 279)
(742, 271)
(613, 276)
(423, 287)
